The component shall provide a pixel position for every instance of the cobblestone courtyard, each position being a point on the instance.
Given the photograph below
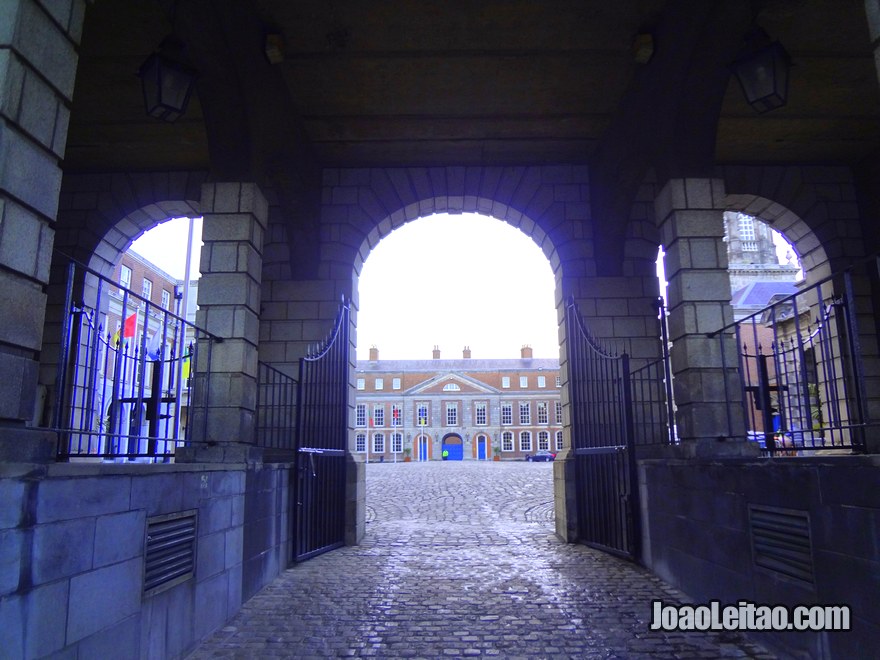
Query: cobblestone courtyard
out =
(460, 560)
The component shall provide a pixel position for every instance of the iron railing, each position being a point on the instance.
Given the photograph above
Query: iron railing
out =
(321, 443)
(800, 367)
(122, 393)
(653, 407)
(276, 412)
(602, 441)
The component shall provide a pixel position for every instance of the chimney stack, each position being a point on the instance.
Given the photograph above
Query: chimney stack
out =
(526, 352)
(436, 352)
(374, 353)
(466, 353)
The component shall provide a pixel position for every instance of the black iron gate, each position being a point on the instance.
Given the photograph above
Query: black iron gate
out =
(321, 435)
(602, 442)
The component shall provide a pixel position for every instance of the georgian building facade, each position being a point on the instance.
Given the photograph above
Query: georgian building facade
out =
(457, 409)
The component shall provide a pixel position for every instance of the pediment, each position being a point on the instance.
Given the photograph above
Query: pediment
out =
(453, 385)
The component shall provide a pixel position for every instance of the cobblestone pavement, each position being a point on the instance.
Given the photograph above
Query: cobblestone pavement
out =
(460, 560)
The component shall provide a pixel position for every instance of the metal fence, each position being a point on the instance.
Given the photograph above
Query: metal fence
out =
(124, 379)
(653, 407)
(321, 442)
(276, 412)
(800, 367)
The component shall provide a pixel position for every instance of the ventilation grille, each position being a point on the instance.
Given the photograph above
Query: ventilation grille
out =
(781, 541)
(169, 557)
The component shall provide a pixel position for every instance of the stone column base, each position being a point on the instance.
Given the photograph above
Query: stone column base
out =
(219, 453)
(19, 444)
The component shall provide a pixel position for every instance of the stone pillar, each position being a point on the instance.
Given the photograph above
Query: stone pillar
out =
(690, 213)
(38, 58)
(222, 427)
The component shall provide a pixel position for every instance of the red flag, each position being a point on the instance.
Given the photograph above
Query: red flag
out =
(130, 327)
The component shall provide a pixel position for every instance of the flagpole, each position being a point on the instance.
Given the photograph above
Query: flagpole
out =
(185, 302)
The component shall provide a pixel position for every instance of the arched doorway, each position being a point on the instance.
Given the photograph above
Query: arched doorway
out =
(453, 447)
(423, 452)
(481, 448)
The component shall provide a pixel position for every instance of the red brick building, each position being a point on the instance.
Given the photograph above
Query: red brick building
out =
(472, 409)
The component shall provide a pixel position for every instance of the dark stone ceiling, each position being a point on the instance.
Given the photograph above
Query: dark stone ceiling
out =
(436, 82)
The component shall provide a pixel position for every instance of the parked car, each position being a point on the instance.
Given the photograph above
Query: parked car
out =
(541, 455)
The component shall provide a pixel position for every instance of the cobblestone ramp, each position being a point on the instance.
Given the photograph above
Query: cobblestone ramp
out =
(460, 560)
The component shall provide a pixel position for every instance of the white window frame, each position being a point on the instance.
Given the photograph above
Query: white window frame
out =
(379, 384)
(506, 414)
(125, 277)
(361, 384)
(542, 382)
(543, 440)
(525, 413)
(166, 299)
(505, 382)
(452, 387)
(395, 383)
(360, 443)
(451, 414)
(558, 412)
(147, 291)
(523, 382)
(422, 406)
(559, 381)
(542, 413)
(396, 414)
(360, 415)
(379, 415)
(507, 441)
(397, 443)
(481, 413)
(378, 443)
(525, 441)
(559, 441)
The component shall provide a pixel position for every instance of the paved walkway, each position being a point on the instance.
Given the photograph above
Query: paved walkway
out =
(460, 560)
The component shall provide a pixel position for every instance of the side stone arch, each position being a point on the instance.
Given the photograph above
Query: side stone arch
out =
(815, 208)
(99, 217)
(808, 205)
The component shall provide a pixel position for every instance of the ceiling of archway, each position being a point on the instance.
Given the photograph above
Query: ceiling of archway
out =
(463, 82)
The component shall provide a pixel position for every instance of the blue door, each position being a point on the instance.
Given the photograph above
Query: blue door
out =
(423, 449)
(481, 448)
(456, 451)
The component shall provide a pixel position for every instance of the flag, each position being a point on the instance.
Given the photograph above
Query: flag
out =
(184, 373)
(129, 328)
(154, 348)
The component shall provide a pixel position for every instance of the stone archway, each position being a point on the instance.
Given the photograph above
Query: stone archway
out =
(452, 447)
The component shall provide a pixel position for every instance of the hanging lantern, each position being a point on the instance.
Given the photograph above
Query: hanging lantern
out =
(763, 76)
(167, 81)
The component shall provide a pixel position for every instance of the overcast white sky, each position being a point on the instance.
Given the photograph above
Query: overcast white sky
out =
(165, 246)
(456, 281)
(446, 280)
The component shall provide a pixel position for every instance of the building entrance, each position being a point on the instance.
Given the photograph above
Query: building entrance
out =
(453, 448)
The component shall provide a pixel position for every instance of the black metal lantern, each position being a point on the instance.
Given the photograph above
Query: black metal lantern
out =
(167, 81)
(763, 76)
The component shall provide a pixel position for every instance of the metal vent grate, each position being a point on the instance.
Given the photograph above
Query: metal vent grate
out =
(170, 553)
(781, 541)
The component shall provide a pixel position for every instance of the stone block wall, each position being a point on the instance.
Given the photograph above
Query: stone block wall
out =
(697, 537)
(72, 539)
